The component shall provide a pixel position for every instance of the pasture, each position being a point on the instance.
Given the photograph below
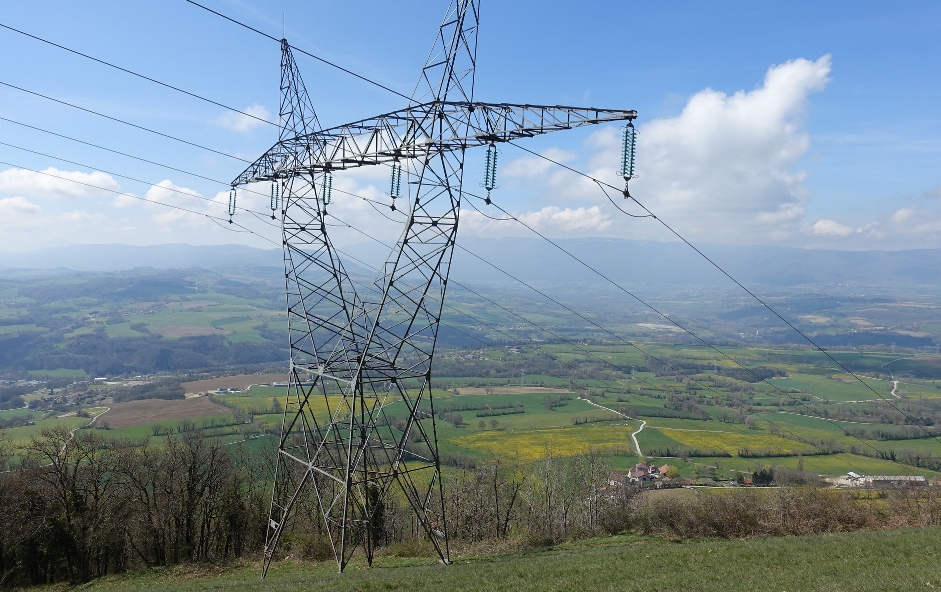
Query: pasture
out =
(880, 560)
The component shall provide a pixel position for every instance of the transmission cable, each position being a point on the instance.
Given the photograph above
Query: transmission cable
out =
(159, 164)
(694, 335)
(725, 273)
(307, 53)
(132, 73)
(131, 195)
(244, 229)
(134, 125)
(663, 315)
(181, 192)
(582, 371)
(113, 151)
(602, 360)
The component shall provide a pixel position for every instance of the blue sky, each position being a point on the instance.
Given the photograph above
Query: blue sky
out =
(833, 140)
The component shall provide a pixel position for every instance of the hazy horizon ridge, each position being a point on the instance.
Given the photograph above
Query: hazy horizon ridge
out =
(533, 260)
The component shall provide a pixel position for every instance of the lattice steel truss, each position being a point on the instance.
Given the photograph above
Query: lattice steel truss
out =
(354, 352)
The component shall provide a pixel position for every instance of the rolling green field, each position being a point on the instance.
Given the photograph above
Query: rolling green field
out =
(858, 562)
(694, 405)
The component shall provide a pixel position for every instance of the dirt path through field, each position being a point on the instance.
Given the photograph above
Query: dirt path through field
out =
(87, 425)
(633, 435)
(634, 438)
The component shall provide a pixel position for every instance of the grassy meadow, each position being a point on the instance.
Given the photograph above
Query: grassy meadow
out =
(858, 561)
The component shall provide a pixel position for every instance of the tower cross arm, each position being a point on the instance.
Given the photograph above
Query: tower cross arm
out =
(414, 131)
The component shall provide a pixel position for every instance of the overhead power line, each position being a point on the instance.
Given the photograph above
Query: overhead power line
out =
(217, 220)
(510, 216)
(307, 53)
(128, 123)
(153, 162)
(723, 271)
(119, 175)
(597, 181)
(626, 342)
(577, 369)
(133, 73)
(113, 151)
(137, 197)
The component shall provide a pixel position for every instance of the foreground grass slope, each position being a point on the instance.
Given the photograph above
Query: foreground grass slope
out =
(860, 561)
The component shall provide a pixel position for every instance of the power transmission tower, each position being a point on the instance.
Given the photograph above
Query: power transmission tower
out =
(353, 352)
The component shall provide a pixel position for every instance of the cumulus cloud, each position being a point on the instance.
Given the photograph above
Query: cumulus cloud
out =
(830, 228)
(916, 220)
(55, 184)
(725, 169)
(11, 207)
(728, 163)
(246, 120)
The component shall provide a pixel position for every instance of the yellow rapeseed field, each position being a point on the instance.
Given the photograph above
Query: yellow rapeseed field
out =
(730, 442)
(534, 444)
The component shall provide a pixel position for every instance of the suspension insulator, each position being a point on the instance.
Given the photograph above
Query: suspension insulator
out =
(326, 188)
(275, 197)
(627, 152)
(232, 197)
(395, 186)
(490, 171)
(627, 155)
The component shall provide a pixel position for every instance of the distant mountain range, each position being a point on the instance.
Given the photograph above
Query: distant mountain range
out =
(637, 263)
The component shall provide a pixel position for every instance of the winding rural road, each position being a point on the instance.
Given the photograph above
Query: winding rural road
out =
(634, 438)
(895, 385)
(633, 435)
(87, 425)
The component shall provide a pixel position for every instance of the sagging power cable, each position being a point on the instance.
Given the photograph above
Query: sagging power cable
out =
(137, 74)
(307, 53)
(159, 164)
(121, 121)
(606, 362)
(725, 273)
(137, 197)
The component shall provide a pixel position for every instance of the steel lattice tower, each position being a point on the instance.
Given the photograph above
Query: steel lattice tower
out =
(354, 351)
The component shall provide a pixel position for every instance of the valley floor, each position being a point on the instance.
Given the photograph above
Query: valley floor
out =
(857, 562)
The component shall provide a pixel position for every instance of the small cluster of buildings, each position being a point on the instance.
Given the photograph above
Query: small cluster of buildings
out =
(641, 473)
(852, 479)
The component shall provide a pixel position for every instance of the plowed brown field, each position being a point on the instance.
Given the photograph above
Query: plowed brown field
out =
(150, 411)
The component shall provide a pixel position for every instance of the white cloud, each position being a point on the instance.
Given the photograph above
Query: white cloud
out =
(924, 222)
(902, 215)
(245, 121)
(726, 167)
(55, 184)
(830, 228)
(10, 207)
